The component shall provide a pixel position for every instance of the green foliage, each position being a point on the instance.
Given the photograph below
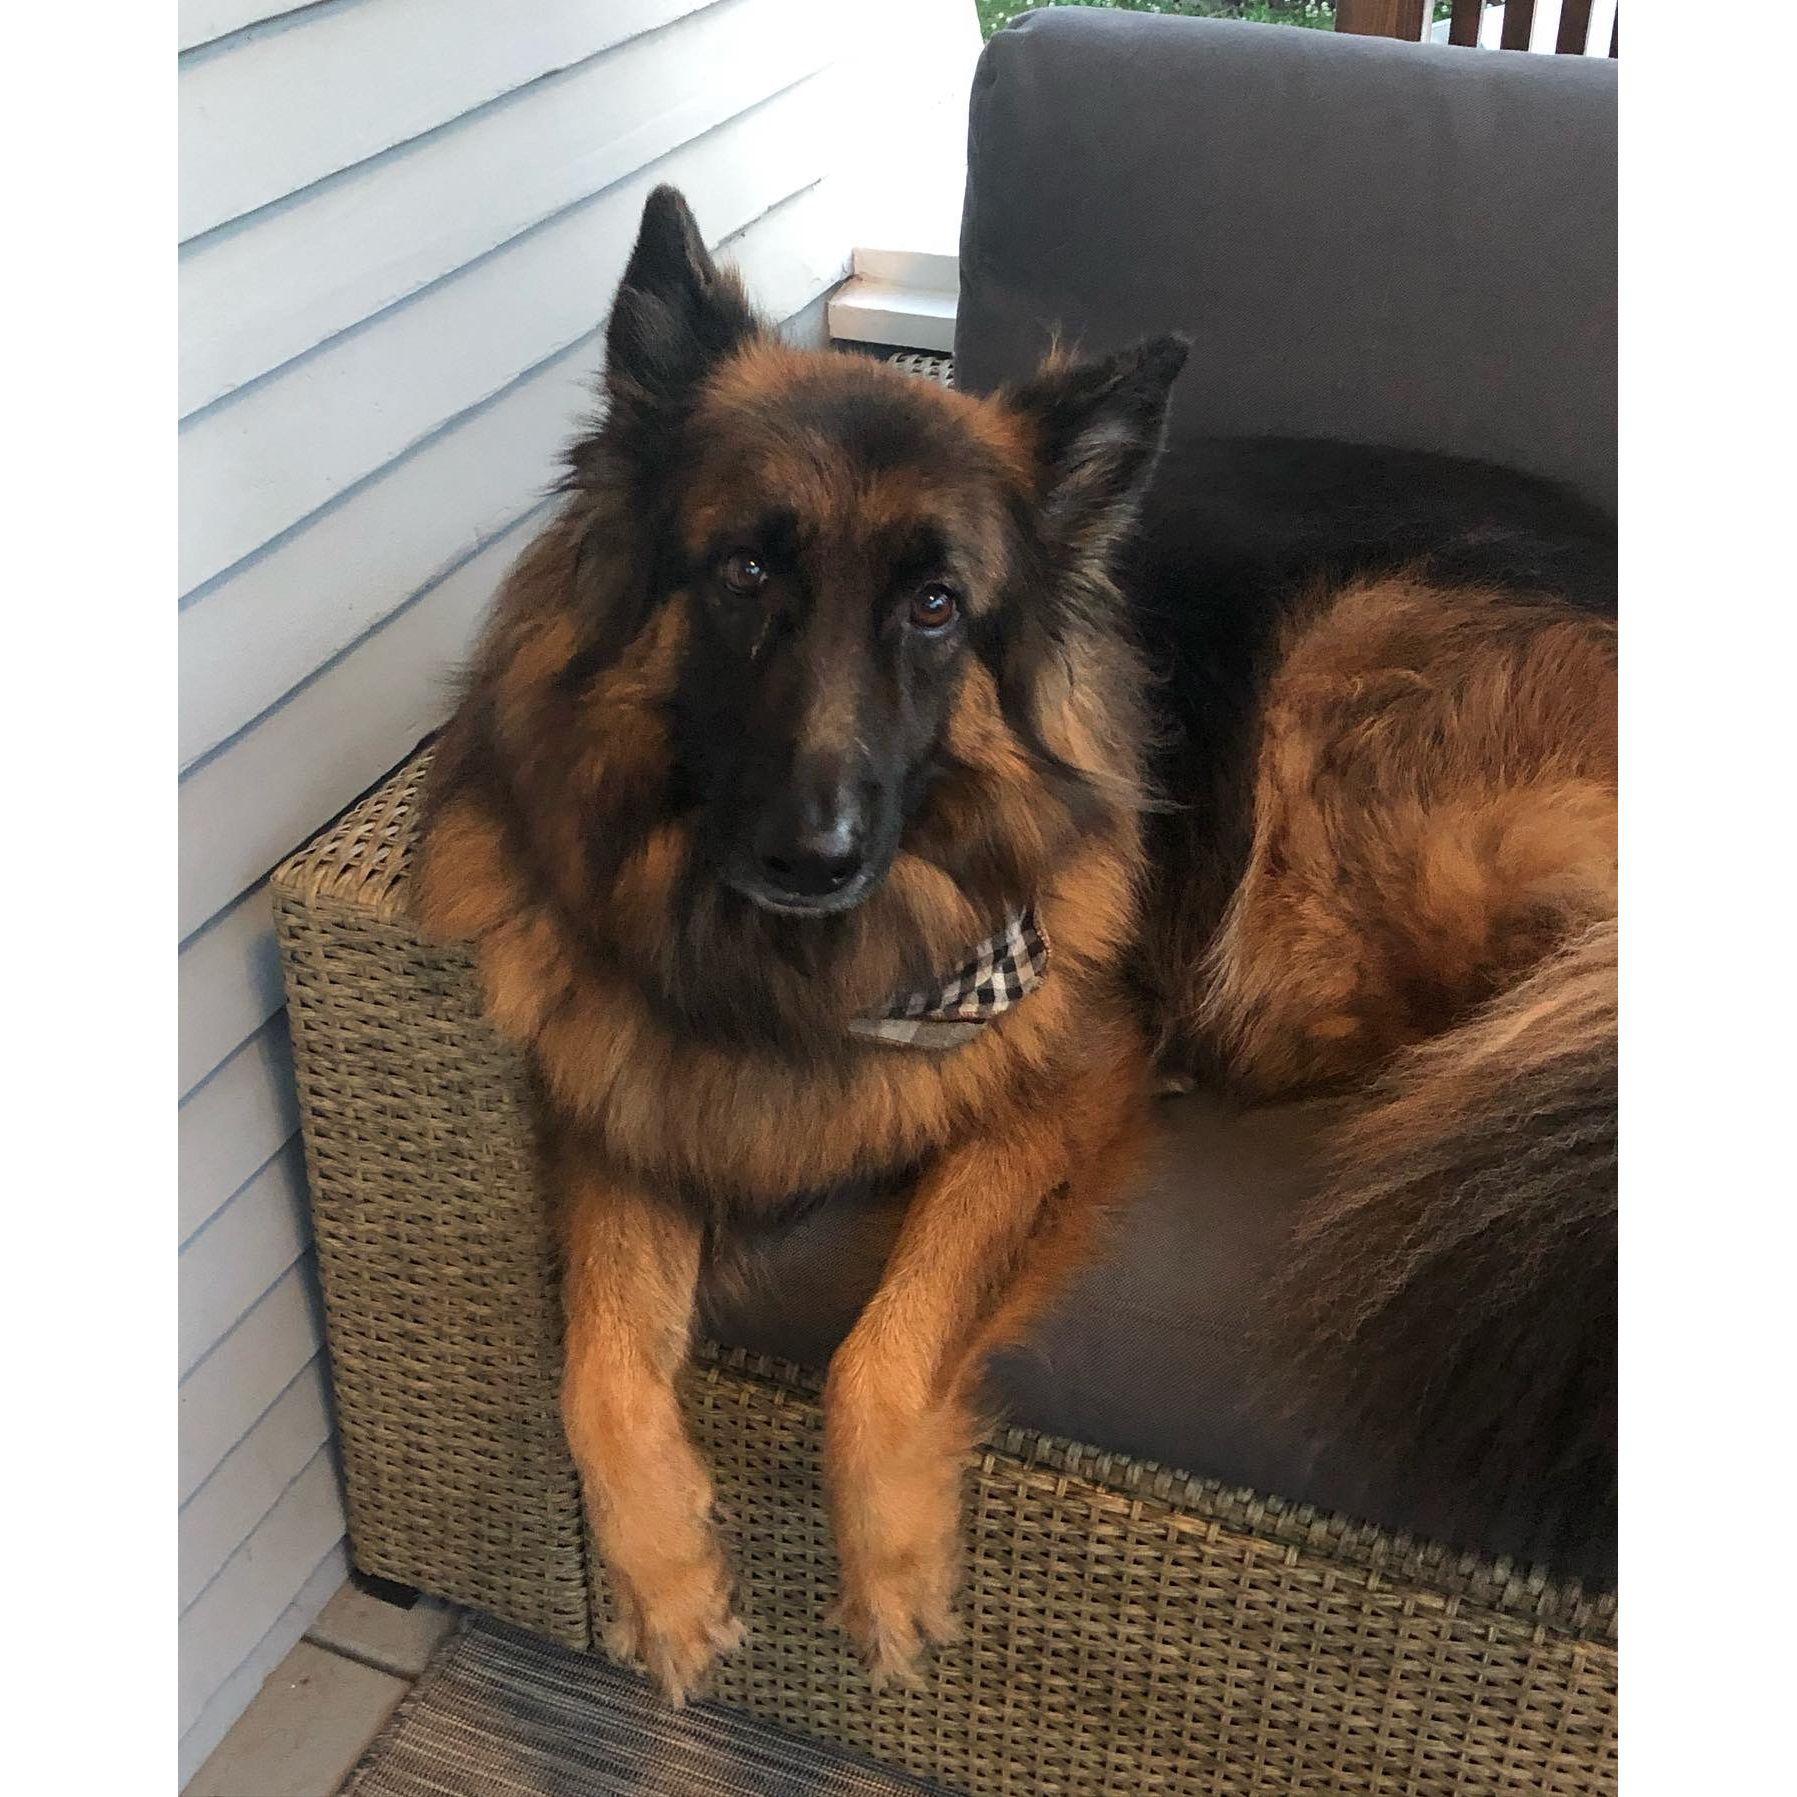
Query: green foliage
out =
(1319, 15)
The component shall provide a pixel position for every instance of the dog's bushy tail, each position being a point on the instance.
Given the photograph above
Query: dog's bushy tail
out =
(1451, 1300)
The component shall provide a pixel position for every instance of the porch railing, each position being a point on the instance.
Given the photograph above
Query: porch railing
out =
(1415, 19)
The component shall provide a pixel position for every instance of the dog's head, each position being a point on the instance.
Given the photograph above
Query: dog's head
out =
(851, 543)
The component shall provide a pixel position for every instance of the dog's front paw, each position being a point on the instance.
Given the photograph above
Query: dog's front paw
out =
(675, 1626)
(894, 1610)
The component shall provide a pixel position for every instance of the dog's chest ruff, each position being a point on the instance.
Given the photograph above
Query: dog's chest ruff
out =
(1001, 972)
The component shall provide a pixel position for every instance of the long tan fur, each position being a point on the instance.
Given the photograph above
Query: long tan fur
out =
(1433, 809)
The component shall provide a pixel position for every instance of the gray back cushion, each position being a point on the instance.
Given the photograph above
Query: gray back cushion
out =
(1368, 240)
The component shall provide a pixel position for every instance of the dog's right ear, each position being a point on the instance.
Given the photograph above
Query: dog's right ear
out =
(1097, 429)
(676, 314)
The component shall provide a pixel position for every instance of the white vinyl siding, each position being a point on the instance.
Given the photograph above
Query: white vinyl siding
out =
(401, 223)
(203, 20)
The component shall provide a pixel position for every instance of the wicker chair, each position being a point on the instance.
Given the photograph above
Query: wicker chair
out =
(1133, 1628)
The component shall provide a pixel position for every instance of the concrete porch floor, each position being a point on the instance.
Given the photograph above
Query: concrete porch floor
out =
(327, 1700)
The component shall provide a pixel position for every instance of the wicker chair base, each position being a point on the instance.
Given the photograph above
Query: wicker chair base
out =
(1131, 1629)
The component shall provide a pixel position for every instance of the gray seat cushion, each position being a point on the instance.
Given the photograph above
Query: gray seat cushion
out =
(1151, 1351)
(1146, 1353)
(1380, 242)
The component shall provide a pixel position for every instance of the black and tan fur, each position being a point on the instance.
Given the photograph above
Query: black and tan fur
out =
(718, 645)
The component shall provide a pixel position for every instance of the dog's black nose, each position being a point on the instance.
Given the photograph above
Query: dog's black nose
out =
(814, 863)
(811, 857)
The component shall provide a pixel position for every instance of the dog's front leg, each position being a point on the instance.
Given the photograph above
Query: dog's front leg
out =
(632, 1270)
(990, 1227)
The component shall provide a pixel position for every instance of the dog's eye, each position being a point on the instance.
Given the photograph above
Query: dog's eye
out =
(933, 607)
(743, 572)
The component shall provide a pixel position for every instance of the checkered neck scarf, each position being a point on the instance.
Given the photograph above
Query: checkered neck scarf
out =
(1008, 966)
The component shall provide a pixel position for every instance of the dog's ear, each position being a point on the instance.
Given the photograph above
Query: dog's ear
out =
(677, 314)
(1097, 429)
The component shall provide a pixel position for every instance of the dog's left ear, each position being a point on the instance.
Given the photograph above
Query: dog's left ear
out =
(676, 315)
(1098, 428)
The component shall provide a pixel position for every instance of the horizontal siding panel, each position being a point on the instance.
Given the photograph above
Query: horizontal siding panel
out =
(203, 20)
(246, 1372)
(248, 1482)
(259, 461)
(270, 788)
(233, 1697)
(793, 254)
(257, 1583)
(230, 984)
(250, 640)
(255, 297)
(241, 1253)
(270, 113)
(235, 1123)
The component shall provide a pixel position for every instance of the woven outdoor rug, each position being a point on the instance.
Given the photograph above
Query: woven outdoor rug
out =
(501, 1714)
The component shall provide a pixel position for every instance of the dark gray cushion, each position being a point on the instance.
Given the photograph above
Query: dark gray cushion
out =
(1154, 1350)
(1147, 1352)
(1381, 242)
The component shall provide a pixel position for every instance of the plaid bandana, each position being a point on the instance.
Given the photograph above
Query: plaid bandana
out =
(1006, 967)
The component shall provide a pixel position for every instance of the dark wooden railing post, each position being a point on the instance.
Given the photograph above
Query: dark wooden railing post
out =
(1575, 27)
(1411, 18)
(1383, 18)
(1519, 20)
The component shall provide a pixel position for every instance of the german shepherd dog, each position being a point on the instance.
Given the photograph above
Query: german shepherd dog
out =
(820, 689)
